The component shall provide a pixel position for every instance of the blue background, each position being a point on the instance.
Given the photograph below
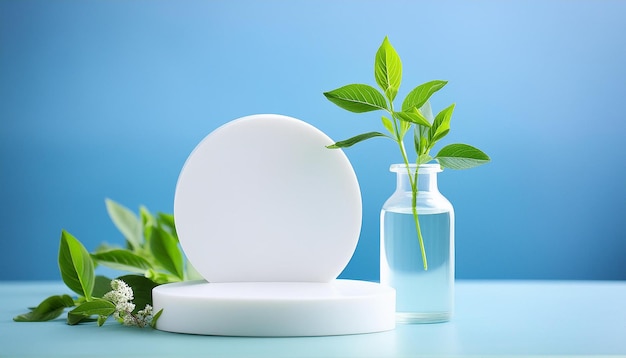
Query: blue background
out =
(107, 99)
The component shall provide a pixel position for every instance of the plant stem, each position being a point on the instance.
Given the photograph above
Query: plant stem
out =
(417, 223)
(414, 191)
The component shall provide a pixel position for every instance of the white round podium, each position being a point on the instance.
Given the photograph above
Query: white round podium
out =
(275, 309)
(270, 217)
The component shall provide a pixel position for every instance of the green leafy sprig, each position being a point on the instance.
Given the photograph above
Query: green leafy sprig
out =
(415, 113)
(152, 247)
(151, 255)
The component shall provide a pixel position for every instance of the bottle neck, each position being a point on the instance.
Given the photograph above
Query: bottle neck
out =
(426, 179)
(425, 182)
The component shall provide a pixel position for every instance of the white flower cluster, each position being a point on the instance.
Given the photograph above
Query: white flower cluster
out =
(122, 296)
(144, 316)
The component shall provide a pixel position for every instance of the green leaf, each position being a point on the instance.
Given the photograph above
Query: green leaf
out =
(102, 285)
(147, 221)
(388, 69)
(416, 140)
(142, 290)
(357, 98)
(48, 309)
(155, 318)
(126, 222)
(388, 125)
(420, 94)
(427, 111)
(166, 221)
(441, 124)
(461, 156)
(414, 116)
(76, 265)
(161, 277)
(105, 247)
(191, 272)
(165, 249)
(98, 307)
(404, 127)
(423, 145)
(424, 158)
(102, 320)
(124, 260)
(354, 140)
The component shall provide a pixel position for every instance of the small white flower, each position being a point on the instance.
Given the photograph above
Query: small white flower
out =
(144, 316)
(129, 320)
(122, 296)
(125, 306)
(121, 292)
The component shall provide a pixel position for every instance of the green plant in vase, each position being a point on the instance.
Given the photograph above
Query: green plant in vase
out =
(414, 116)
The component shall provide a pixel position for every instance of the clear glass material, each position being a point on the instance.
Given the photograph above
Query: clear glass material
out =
(422, 296)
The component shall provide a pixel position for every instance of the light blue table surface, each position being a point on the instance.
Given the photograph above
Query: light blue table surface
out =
(492, 318)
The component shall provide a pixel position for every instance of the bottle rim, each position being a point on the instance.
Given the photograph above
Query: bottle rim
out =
(423, 168)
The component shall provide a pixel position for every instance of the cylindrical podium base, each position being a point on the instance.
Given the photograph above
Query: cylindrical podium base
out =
(275, 309)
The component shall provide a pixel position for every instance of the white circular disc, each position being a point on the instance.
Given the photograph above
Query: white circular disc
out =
(262, 199)
(275, 308)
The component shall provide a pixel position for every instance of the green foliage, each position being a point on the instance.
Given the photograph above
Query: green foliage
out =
(126, 222)
(354, 140)
(165, 249)
(412, 115)
(48, 309)
(357, 98)
(420, 94)
(76, 266)
(151, 254)
(388, 70)
(152, 247)
(441, 125)
(98, 307)
(415, 113)
(156, 318)
(121, 259)
(142, 287)
(461, 156)
(102, 286)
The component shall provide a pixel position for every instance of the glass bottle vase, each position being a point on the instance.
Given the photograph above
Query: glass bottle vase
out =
(423, 295)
